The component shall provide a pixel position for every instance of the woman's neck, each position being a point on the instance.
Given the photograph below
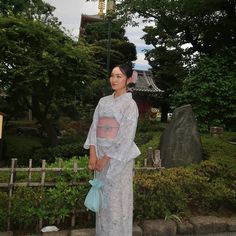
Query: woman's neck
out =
(120, 92)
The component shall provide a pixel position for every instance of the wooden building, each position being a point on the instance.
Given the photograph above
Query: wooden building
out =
(146, 93)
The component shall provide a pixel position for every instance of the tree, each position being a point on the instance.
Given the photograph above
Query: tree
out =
(207, 25)
(210, 89)
(182, 31)
(30, 9)
(41, 68)
(122, 51)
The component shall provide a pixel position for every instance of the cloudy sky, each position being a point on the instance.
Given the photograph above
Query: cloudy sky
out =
(69, 13)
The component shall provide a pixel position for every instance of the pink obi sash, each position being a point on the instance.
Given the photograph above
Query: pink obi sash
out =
(107, 127)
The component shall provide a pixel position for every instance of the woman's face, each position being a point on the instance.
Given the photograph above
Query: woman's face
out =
(118, 81)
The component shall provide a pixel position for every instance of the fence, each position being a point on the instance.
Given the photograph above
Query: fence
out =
(151, 162)
(42, 183)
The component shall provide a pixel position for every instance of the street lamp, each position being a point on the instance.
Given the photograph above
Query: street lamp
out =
(110, 16)
(1, 133)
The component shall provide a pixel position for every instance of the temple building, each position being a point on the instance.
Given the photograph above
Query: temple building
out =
(85, 19)
(146, 93)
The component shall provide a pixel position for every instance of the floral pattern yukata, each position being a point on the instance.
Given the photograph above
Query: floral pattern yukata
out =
(112, 133)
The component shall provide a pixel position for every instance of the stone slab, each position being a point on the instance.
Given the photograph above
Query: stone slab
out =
(185, 227)
(159, 228)
(137, 231)
(82, 232)
(208, 224)
(7, 233)
(231, 224)
(57, 233)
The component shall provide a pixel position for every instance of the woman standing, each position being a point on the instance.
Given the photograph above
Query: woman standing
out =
(112, 152)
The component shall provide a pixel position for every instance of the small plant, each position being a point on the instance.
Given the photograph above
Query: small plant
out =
(173, 217)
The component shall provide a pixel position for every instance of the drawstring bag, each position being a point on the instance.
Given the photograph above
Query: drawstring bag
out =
(94, 198)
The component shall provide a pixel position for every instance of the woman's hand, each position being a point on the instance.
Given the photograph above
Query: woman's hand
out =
(92, 158)
(102, 163)
(92, 162)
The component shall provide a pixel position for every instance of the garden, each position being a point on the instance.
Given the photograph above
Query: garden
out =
(50, 84)
(207, 188)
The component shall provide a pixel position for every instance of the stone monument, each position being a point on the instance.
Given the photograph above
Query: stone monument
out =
(180, 143)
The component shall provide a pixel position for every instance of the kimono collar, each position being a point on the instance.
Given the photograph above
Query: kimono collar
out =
(125, 95)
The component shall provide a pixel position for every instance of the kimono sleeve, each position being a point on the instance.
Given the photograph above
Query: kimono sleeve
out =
(123, 147)
(91, 138)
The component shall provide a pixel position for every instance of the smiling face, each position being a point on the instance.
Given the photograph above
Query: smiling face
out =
(118, 81)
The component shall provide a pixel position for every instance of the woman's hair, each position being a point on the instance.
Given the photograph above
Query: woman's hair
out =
(126, 69)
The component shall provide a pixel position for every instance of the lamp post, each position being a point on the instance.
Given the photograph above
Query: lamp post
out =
(110, 16)
(1, 133)
(109, 45)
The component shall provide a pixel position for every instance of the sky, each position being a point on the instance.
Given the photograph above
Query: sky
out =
(69, 13)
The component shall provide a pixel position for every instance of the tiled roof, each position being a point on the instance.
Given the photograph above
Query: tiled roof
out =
(145, 83)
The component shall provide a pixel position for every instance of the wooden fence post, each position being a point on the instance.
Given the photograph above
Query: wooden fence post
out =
(42, 185)
(29, 172)
(11, 185)
(75, 168)
(150, 157)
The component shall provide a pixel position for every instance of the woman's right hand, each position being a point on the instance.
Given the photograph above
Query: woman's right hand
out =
(92, 162)
(92, 158)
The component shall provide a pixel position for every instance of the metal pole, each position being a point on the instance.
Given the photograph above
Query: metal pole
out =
(1, 135)
(109, 46)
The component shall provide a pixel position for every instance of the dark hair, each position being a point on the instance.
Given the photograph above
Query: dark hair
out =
(126, 69)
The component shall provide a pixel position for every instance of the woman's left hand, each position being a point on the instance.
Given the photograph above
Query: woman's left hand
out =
(101, 163)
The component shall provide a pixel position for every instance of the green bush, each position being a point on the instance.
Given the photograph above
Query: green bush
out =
(147, 125)
(3, 210)
(143, 138)
(50, 154)
(180, 190)
(21, 147)
(154, 143)
(54, 205)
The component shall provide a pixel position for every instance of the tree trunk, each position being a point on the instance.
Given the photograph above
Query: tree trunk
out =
(164, 112)
(51, 132)
(46, 124)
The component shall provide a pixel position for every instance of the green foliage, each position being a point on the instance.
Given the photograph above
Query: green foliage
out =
(173, 193)
(204, 188)
(207, 25)
(180, 33)
(147, 125)
(53, 205)
(121, 50)
(42, 69)
(182, 191)
(3, 210)
(220, 148)
(154, 143)
(26, 216)
(65, 152)
(35, 9)
(21, 147)
(210, 89)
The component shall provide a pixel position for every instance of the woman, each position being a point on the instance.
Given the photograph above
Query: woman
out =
(112, 151)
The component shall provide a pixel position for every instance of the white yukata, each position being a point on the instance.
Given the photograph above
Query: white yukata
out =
(112, 133)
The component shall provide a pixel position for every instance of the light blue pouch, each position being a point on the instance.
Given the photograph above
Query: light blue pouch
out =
(94, 198)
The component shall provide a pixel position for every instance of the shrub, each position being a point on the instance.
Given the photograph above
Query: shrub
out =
(65, 152)
(178, 190)
(3, 210)
(21, 147)
(54, 205)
